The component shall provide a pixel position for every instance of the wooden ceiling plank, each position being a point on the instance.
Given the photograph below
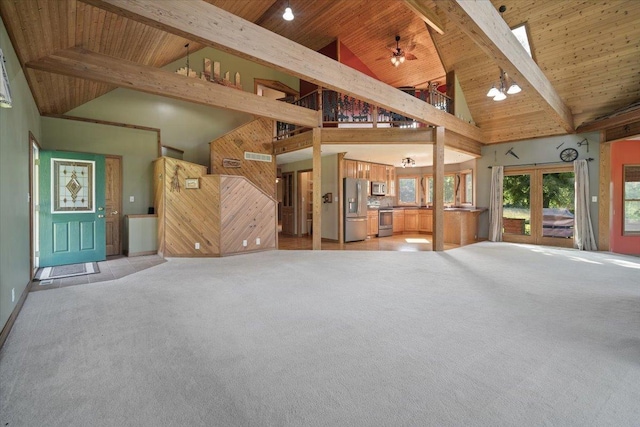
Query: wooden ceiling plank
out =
(482, 23)
(215, 27)
(427, 15)
(80, 63)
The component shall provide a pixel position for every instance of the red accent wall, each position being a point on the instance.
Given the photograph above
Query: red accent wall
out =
(347, 57)
(330, 51)
(622, 153)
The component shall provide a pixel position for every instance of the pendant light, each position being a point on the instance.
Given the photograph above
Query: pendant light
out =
(288, 13)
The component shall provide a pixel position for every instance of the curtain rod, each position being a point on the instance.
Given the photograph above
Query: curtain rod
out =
(590, 159)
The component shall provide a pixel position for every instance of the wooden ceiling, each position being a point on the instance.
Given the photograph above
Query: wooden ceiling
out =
(589, 50)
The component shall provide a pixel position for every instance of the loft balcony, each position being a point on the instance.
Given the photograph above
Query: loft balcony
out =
(344, 111)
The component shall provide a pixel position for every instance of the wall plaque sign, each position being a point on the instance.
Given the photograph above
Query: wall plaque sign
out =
(231, 163)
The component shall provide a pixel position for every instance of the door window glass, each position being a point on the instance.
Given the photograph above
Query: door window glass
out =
(516, 214)
(631, 223)
(558, 194)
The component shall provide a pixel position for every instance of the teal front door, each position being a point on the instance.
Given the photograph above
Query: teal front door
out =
(72, 225)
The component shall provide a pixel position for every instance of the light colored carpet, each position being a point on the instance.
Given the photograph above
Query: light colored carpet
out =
(488, 334)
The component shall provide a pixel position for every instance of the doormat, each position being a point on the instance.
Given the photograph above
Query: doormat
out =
(70, 270)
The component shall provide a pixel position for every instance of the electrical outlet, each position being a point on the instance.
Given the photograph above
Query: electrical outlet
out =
(131, 199)
(13, 294)
(594, 199)
(244, 243)
(197, 245)
(257, 241)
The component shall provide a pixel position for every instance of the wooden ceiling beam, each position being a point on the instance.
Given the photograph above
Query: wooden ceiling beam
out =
(385, 136)
(611, 121)
(207, 24)
(426, 14)
(484, 25)
(84, 64)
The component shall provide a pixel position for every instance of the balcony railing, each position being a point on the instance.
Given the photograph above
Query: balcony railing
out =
(341, 109)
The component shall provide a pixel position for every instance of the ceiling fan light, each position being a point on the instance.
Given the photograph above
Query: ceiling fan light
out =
(513, 89)
(288, 14)
(500, 96)
(493, 92)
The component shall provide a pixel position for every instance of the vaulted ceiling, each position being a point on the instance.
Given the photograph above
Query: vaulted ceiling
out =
(588, 50)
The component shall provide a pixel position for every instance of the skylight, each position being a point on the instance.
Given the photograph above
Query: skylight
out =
(521, 34)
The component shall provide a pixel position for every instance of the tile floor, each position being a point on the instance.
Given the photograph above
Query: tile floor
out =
(113, 268)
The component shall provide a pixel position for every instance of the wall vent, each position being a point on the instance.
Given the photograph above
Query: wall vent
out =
(258, 157)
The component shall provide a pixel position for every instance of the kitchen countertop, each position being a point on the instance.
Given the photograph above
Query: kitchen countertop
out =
(455, 208)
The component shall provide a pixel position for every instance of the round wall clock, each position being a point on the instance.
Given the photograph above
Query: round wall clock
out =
(568, 154)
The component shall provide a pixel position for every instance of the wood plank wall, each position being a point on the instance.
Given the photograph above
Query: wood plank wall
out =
(256, 137)
(219, 215)
(186, 216)
(246, 214)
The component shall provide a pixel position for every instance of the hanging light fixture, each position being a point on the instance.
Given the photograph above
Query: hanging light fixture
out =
(500, 93)
(408, 161)
(288, 13)
(397, 57)
(5, 93)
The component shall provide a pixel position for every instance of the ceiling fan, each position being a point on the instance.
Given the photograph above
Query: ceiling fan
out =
(400, 55)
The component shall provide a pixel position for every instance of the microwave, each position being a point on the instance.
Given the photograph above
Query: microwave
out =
(378, 188)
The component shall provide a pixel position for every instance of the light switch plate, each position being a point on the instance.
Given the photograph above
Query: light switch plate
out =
(594, 199)
(131, 199)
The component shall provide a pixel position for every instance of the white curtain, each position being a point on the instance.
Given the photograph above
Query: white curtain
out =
(583, 237)
(5, 93)
(495, 204)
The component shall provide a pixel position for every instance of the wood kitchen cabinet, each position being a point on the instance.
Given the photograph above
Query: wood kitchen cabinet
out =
(350, 168)
(364, 170)
(378, 173)
(398, 220)
(372, 223)
(411, 220)
(425, 221)
(390, 178)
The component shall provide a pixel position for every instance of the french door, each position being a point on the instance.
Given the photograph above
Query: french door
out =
(538, 206)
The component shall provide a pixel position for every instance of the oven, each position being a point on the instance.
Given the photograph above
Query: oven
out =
(385, 222)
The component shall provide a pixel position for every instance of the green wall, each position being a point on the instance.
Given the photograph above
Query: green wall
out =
(15, 124)
(183, 125)
(138, 149)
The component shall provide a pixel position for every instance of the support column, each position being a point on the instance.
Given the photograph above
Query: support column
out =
(317, 188)
(438, 189)
(604, 196)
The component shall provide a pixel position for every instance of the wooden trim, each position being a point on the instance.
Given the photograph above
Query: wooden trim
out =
(109, 123)
(223, 30)
(425, 13)
(173, 148)
(483, 24)
(387, 136)
(604, 196)
(293, 143)
(438, 190)
(141, 216)
(317, 189)
(609, 122)
(275, 85)
(85, 64)
(14, 314)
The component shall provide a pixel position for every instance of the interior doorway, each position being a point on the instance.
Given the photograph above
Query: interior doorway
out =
(539, 206)
(305, 202)
(287, 208)
(34, 192)
(113, 205)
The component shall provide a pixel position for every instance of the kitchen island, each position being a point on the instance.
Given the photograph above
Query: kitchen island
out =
(460, 223)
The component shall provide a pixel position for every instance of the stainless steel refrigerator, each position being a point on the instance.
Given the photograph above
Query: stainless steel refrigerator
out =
(355, 209)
